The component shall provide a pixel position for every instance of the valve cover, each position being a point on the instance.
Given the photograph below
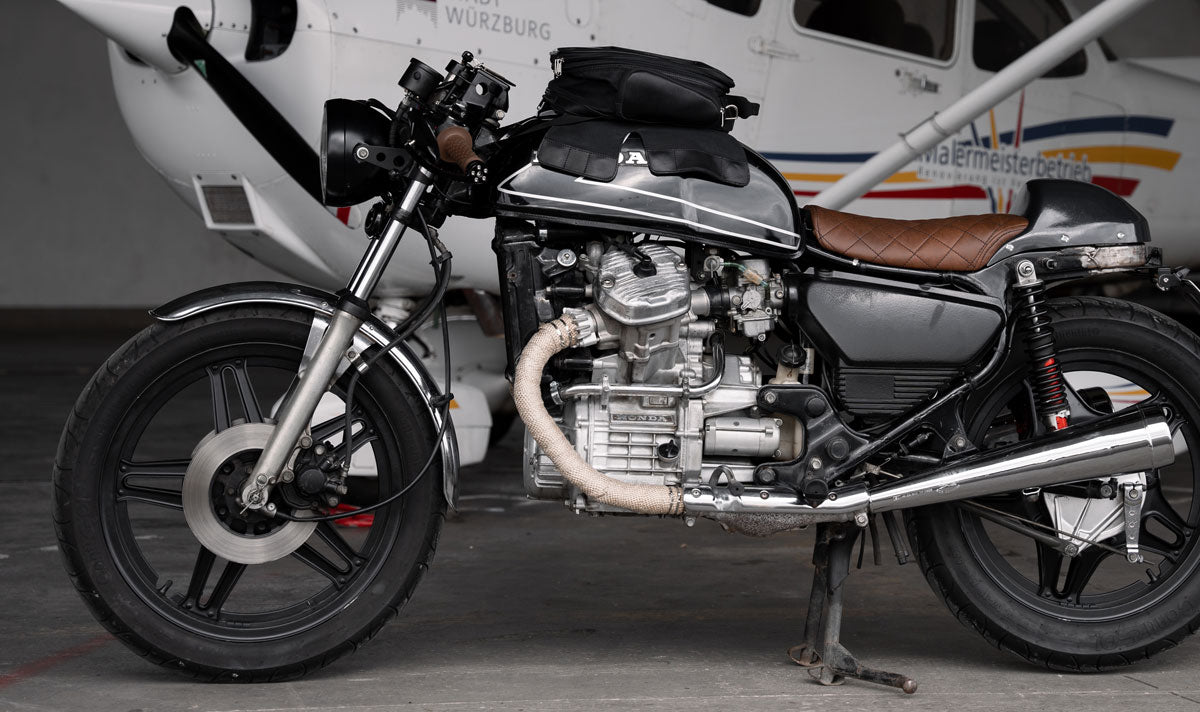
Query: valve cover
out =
(634, 300)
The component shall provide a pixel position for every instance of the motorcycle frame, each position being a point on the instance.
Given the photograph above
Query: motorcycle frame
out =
(943, 412)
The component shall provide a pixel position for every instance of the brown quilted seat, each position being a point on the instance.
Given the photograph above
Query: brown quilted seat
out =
(959, 244)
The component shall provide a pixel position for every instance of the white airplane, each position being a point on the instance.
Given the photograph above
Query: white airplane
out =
(837, 79)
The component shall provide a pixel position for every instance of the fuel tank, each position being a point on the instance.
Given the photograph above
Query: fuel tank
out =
(760, 216)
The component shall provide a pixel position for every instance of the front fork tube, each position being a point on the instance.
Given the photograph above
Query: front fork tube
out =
(298, 407)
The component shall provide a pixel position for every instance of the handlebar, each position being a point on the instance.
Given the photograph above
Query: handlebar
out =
(456, 146)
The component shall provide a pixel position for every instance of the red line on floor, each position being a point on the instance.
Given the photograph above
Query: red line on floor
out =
(38, 667)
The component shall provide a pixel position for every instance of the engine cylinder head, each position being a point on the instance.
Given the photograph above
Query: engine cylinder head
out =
(635, 300)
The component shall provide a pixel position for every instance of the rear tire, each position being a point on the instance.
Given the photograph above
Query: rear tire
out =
(128, 549)
(982, 573)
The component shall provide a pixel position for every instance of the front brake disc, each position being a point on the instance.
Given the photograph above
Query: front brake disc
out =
(204, 516)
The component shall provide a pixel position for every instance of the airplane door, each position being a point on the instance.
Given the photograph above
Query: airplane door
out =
(846, 77)
(1062, 125)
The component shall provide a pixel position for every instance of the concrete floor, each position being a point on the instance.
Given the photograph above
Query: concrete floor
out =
(528, 608)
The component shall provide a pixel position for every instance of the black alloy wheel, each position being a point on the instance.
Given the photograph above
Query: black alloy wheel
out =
(119, 505)
(1094, 610)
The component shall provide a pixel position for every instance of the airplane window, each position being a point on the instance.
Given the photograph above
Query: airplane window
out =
(1006, 30)
(1165, 28)
(924, 27)
(749, 8)
(272, 24)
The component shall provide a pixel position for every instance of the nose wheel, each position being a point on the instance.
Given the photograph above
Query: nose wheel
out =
(215, 515)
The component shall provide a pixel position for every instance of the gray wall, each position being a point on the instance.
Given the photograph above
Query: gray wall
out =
(84, 221)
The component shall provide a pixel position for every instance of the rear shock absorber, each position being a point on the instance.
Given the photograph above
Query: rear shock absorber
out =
(1045, 373)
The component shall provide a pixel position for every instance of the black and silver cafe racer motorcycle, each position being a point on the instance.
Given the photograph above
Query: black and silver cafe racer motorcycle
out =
(683, 342)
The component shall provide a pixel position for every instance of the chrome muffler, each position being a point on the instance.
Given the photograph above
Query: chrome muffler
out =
(1133, 440)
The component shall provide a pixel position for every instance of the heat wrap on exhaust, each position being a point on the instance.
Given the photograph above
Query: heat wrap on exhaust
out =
(527, 394)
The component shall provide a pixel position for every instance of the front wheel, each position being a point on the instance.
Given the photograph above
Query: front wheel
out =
(190, 402)
(1094, 610)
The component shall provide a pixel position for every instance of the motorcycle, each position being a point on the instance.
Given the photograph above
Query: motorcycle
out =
(683, 341)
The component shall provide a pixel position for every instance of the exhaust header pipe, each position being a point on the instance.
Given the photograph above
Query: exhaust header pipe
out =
(1134, 440)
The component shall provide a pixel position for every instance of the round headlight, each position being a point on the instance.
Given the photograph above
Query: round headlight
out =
(344, 180)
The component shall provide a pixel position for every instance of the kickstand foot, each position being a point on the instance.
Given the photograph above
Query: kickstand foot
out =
(822, 652)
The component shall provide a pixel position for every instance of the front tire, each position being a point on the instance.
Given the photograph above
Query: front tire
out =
(1094, 611)
(118, 503)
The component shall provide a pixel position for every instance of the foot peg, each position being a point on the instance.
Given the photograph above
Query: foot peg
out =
(822, 652)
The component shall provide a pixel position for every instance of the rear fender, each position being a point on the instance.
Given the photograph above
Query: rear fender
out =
(373, 332)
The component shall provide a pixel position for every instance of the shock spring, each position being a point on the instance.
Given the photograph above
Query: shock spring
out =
(1045, 373)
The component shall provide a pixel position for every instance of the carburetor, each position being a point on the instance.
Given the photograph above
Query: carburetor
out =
(752, 302)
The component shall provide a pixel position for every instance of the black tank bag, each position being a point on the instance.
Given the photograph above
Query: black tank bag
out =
(680, 109)
(627, 84)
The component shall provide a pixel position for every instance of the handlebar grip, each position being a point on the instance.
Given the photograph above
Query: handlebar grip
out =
(456, 146)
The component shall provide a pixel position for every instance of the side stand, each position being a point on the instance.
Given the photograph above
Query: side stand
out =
(822, 652)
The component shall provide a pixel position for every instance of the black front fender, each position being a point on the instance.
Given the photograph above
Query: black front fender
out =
(373, 332)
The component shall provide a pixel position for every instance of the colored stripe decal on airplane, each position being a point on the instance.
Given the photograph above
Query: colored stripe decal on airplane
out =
(820, 157)
(1123, 187)
(1127, 155)
(904, 177)
(1135, 155)
(1152, 125)
(945, 193)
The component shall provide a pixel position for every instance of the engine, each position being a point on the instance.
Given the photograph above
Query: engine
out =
(655, 399)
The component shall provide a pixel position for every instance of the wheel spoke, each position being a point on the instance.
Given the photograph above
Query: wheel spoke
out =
(1157, 507)
(134, 491)
(321, 563)
(1087, 403)
(336, 425)
(220, 397)
(1176, 418)
(220, 400)
(200, 573)
(1080, 572)
(1049, 568)
(328, 428)
(155, 468)
(334, 539)
(246, 393)
(330, 535)
(1157, 545)
(229, 578)
(357, 440)
(171, 499)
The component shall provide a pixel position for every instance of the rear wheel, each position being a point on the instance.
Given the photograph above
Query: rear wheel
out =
(1094, 610)
(190, 402)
